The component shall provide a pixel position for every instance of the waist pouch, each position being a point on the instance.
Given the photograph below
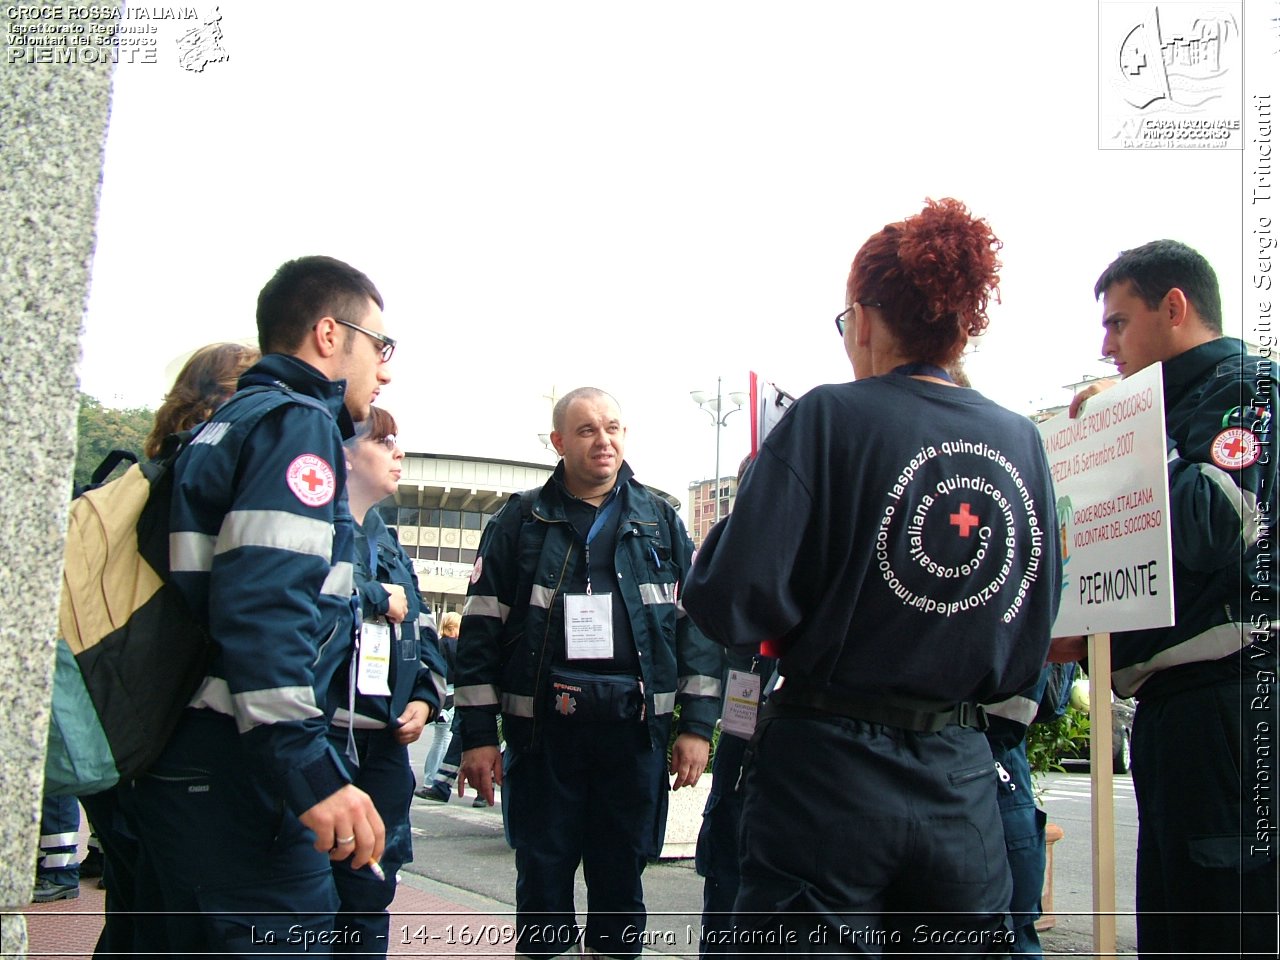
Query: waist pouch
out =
(595, 697)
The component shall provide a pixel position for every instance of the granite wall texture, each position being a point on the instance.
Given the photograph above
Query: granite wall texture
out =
(53, 123)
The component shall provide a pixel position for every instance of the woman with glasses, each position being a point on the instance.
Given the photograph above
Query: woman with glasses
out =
(392, 687)
(894, 542)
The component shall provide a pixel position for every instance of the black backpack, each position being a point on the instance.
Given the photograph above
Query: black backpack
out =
(130, 654)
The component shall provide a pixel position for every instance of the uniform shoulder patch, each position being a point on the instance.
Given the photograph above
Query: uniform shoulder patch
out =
(1235, 448)
(311, 480)
(476, 569)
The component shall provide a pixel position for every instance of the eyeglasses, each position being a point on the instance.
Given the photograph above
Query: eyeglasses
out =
(840, 317)
(389, 441)
(388, 345)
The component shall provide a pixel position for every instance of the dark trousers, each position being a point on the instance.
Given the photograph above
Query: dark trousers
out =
(120, 854)
(236, 871)
(58, 861)
(589, 793)
(859, 838)
(385, 774)
(1202, 765)
(446, 776)
(1024, 842)
(717, 852)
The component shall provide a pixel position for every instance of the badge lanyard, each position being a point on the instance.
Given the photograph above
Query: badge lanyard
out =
(588, 619)
(373, 668)
(743, 697)
(606, 512)
(353, 675)
(923, 370)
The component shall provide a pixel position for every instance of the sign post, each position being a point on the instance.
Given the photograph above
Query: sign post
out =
(1102, 798)
(1112, 487)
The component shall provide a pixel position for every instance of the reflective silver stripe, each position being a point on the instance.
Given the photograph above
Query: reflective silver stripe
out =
(652, 593)
(663, 703)
(476, 695)
(59, 839)
(1255, 524)
(340, 581)
(54, 860)
(541, 596)
(276, 529)
(451, 769)
(1018, 709)
(341, 718)
(277, 705)
(1244, 502)
(699, 686)
(190, 552)
(441, 684)
(478, 606)
(1214, 644)
(215, 695)
(257, 707)
(514, 705)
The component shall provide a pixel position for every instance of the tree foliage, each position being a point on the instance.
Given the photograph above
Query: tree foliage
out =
(103, 429)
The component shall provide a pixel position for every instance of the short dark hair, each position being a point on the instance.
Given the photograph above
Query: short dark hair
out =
(305, 290)
(1157, 267)
(561, 409)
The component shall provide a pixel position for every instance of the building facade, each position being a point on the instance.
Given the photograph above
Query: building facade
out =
(702, 505)
(441, 508)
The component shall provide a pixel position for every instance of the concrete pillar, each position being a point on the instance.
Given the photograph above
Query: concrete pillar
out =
(51, 150)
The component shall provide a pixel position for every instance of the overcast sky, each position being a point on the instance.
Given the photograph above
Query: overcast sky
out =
(641, 197)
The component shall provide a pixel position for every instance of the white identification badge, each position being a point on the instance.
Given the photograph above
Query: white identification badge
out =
(741, 704)
(588, 626)
(375, 660)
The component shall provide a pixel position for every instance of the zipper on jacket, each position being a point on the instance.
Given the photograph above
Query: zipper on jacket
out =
(546, 633)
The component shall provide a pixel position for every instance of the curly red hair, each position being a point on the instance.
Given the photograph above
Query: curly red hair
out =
(933, 275)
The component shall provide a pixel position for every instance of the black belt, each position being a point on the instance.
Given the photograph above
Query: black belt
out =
(903, 712)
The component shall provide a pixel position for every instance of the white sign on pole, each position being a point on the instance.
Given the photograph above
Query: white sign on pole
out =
(1111, 480)
(768, 404)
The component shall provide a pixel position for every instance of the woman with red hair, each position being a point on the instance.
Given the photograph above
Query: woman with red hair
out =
(894, 541)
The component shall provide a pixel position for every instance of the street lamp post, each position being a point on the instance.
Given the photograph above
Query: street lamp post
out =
(715, 409)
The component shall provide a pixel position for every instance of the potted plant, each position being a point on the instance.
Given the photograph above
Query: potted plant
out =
(1047, 744)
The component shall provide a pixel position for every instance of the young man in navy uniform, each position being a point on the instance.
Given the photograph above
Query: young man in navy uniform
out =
(1206, 883)
(239, 818)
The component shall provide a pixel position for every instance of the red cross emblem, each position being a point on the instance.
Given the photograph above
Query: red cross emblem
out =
(964, 521)
(565, 704)
(311, 480)
(1234, 449)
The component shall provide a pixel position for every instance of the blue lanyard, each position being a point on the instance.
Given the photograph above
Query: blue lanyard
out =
(923, 370)
(602, 517)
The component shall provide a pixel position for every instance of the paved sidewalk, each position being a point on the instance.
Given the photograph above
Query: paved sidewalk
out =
(427, 921)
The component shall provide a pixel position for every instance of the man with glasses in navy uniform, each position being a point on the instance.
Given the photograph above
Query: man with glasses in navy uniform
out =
(242, 813)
